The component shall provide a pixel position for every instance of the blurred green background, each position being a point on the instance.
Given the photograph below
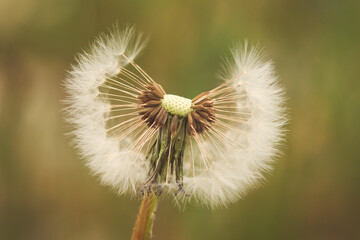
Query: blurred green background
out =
(47, 193)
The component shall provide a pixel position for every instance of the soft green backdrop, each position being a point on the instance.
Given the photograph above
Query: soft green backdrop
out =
(46, 192)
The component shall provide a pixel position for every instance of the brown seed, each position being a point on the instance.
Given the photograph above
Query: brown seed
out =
(161, 89)
(173, 126)
(164, 118)
(200, 97)
(152, 103)
(143, 111)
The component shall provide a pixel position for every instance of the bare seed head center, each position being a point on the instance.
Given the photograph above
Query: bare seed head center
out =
(176, 105)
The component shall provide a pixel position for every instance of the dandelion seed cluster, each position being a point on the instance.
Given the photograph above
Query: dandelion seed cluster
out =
(137, 138)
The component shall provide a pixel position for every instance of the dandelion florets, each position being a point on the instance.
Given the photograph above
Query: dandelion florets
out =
(137, 138)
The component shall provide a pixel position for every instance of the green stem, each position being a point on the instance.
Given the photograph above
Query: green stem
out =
(145, 217)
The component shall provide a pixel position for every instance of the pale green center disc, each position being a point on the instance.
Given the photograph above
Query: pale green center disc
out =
(176, 105)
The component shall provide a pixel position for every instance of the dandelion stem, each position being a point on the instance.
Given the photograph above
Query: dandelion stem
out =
(145, 218)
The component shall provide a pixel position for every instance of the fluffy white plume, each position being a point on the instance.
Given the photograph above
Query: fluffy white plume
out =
(220, 165)
(103, 153)
(248, 130)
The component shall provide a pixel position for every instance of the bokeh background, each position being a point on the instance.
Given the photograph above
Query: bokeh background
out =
(47, 193)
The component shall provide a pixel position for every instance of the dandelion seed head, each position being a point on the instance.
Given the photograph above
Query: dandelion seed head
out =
(136, 138)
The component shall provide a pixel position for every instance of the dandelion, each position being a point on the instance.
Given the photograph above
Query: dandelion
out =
(141, 140)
